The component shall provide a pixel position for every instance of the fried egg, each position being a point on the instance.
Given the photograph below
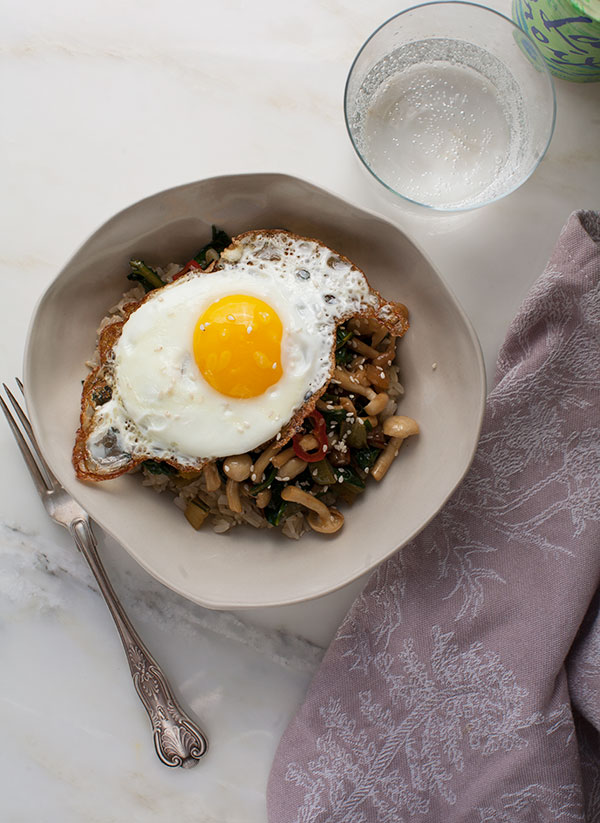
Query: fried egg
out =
(219, 363)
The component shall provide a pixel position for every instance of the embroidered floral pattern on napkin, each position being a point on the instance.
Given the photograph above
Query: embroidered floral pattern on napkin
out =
(464, 684)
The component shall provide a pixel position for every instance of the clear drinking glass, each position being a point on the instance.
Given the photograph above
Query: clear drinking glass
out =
(450, 105)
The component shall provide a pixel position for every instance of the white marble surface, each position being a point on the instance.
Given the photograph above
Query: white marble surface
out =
(103, 103)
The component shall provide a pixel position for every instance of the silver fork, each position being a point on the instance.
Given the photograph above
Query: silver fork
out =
(177, 739)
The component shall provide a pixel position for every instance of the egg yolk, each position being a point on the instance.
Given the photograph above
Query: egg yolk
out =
(237, 346)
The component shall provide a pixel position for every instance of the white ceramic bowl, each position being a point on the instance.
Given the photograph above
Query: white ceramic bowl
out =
(247, 568)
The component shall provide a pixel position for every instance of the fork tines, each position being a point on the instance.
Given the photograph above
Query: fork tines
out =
(36, 464)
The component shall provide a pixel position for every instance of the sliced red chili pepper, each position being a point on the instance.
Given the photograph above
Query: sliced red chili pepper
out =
(320, 432)
(191, 266)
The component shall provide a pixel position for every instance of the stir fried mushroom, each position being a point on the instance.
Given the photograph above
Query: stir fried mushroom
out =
(358, 442)
(263, 498)
(282, 458)
(292, 469)
(232, 490)
(211, 477)
(363, 348)
(385, 358)
(377, 402)
(398, 428)
(386, 458)
(338, 456)
(321, 518)
(348, 382)
(359, 375)
(364, 325)
(263, 461)
(348, 406)
(363, 372)
(377, 376)
(332, 523)
(378, 336)
(238, 467)
(307, 443)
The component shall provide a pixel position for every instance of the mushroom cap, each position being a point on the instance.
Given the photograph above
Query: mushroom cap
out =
(326, 525)
(400, 426)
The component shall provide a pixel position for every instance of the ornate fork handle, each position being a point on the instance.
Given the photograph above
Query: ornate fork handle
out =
(178, 741)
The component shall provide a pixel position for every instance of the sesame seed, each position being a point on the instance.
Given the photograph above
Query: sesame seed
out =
(340, 479)
(226, 469)
(230, 317)
(249, 328)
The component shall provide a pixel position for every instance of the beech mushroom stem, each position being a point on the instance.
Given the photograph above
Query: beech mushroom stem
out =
(321, 518)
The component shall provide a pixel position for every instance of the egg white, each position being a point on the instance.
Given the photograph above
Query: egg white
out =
(161, 405)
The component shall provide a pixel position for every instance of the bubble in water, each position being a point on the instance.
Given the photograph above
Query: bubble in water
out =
(444, 131)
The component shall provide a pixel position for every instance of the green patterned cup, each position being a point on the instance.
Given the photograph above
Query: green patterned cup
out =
(567, 32)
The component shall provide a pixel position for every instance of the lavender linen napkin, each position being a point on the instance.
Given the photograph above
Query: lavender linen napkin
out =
(464, 684)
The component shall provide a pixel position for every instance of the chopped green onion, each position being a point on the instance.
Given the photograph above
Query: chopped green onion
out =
(270, 477)
(144, 275)
(342, 336)
(343, 354)
(355, 434)
(346, 492)
(196, 513)
(366, 458)
(275, 513)
(349, 477)
(220, 240)
(334, 416)
(156, 467)
(322, 473)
